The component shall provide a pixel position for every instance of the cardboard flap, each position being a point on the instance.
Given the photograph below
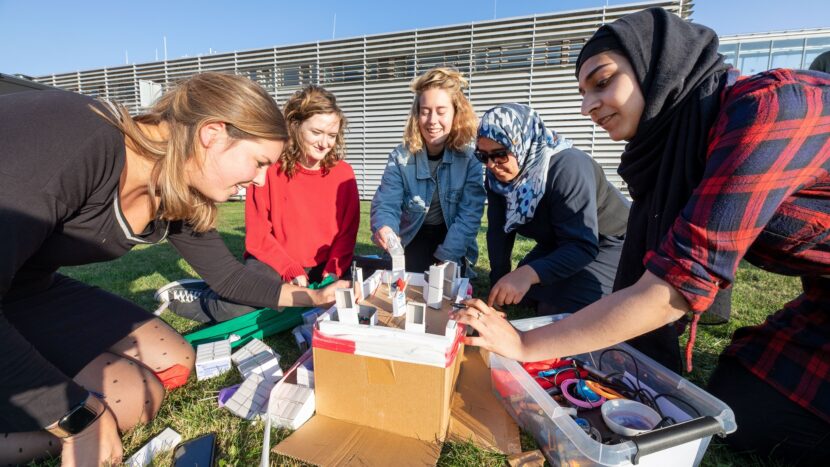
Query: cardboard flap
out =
(325, 441)
(476, 414)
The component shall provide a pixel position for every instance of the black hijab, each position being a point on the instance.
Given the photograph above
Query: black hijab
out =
(681, 75)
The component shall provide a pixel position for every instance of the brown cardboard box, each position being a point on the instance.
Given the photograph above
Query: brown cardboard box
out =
(397, 397)
(373, 411)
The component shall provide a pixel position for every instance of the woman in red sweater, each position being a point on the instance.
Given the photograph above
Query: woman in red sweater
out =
(301, 224)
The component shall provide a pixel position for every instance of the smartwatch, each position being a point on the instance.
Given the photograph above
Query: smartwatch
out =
(77, 419)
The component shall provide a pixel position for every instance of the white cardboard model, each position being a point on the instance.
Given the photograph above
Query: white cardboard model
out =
(252, 348)
(305, 374)
(368, 315)
(257, 358)
(416, 314)
(249, 400)
(371, 284)
(398, 266)
(213, 359)
(357, 277)
(391, 342)
(164, 441)
(398, 300)
(451, 275)
(433, 291)
(291, 405)
(347, 310)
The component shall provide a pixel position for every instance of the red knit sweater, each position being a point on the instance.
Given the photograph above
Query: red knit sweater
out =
(305, 221)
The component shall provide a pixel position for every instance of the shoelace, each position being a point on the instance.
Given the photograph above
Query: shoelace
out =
(187, 295)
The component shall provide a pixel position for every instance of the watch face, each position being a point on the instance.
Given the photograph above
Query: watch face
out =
(79, 419)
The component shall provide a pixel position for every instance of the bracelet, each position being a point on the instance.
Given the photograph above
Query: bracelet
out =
(583, 404)
(609, 394)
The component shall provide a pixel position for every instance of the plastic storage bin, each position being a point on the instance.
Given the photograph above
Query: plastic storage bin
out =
(564, 443)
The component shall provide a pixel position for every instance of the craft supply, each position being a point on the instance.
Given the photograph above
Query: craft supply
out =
(629, 418)
(573, 398)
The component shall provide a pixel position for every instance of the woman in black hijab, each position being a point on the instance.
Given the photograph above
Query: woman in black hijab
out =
(720, 169)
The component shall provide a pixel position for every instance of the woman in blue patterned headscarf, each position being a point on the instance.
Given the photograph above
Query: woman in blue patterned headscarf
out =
(541, 187)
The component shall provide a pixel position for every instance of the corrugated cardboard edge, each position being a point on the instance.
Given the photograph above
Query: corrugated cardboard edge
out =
(328, 442)
(476, 414)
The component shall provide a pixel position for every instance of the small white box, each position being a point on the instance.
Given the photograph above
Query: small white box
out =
(291, 405)
(416, 314)
(249, 400)
(399, 304)
(257, 358)
(213, 359)
(305, 374)
(347, 311)
(164, 441)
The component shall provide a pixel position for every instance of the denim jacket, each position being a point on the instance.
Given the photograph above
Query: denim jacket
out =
(406, 189)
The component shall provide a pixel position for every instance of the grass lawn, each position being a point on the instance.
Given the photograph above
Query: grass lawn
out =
(191, 410)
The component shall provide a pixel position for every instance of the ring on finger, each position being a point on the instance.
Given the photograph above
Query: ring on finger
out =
(478, 315)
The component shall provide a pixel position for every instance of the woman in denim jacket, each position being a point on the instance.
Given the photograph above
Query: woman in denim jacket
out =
(432, 191)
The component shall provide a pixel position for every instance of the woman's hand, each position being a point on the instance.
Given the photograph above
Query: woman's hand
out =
(511, 288)
(301, 281)
(325, 297)
(98, 444)
(495, 333)
(380, 236)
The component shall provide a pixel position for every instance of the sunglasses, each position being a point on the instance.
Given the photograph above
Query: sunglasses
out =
(499, 156)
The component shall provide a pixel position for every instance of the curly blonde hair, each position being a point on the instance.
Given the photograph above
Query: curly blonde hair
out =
(247, 110)
(464, 123)
(302, 105)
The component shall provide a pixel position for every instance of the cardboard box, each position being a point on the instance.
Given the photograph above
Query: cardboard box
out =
(378, 411)
(476, 416)
(397, 397)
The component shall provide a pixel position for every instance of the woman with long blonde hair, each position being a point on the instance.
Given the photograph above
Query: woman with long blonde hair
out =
(432, 191)
(84, 182)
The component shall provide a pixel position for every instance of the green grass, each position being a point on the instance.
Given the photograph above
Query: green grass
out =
(192, 410)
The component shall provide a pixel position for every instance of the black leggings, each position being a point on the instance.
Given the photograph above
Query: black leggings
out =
(212, 308)
(769, 423)
(420, 251)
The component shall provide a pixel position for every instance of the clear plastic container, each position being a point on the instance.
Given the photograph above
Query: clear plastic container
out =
(564, 443)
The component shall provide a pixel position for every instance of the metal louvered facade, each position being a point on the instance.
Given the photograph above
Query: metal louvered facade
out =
(526, 59)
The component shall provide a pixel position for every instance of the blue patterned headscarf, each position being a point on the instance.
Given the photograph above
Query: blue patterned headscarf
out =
(519, 128)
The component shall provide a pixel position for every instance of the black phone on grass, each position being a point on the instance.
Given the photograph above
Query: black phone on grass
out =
(197, 452)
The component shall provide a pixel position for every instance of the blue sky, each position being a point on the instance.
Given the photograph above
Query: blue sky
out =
(38, 38)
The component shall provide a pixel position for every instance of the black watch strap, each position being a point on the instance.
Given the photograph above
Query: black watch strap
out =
(77, 419)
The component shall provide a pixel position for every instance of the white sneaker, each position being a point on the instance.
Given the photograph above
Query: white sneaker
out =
(184, 290)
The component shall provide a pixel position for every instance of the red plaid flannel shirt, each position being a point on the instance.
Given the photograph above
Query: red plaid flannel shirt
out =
(765, 196)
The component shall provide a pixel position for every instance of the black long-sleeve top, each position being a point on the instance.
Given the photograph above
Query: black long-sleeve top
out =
(60, 166)
(579, 206)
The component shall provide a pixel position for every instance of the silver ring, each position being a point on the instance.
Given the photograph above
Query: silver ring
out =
(478, 316)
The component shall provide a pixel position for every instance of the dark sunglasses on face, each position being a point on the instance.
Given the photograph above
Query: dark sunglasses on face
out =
(499, 156)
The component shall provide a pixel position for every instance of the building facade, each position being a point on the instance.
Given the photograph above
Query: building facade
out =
(526, 59)
(753, 53)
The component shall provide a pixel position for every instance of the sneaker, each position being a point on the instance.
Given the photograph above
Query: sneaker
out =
(184, 291)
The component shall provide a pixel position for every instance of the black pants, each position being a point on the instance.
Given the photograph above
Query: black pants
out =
(769, 423)
(419, 252)
(212, 308)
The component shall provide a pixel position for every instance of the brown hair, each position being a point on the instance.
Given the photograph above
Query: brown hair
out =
(464, 123)
(247, 110)
(302, 105)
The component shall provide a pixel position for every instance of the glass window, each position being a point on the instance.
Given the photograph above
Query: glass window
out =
(754, 57)
(729, 52)
(821, 42)
(787, 53)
